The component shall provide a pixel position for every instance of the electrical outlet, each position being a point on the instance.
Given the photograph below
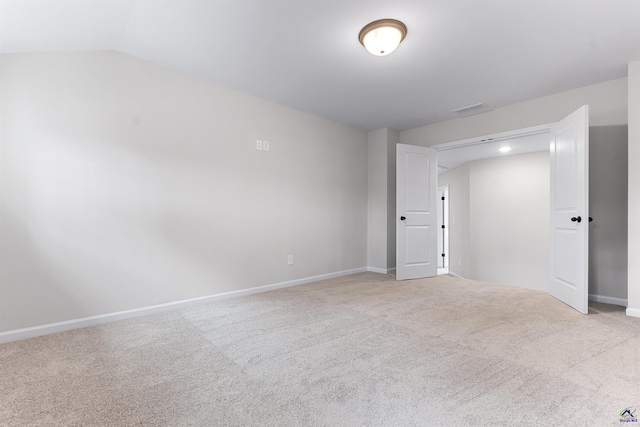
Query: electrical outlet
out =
(290, 260)
(259, 144)
(459, 262)
(265, 145)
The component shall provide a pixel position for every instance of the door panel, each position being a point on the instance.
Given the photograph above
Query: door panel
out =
(570, 210)
(417, 248)
(417, 240)
(418, 178)
(566, 170)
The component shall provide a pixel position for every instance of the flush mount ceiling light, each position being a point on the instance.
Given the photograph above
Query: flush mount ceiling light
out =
(504, 149)
(382, 37)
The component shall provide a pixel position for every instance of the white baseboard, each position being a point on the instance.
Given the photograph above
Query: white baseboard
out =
(608, 300)
(633, 312)
(381, 270)
(451, 273)
(36, 331)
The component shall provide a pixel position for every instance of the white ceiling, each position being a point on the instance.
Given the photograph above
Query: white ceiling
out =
(453, 157)
(306, 54)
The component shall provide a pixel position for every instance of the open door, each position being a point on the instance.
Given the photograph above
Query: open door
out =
(570, 210)
(416, 212)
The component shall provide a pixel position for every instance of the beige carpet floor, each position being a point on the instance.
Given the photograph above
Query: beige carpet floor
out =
(357, 350)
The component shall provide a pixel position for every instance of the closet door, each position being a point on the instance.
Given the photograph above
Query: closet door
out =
(570, 210)
(416, 212)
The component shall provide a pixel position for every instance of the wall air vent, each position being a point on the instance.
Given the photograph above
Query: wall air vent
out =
(442, 168)
(472, 109)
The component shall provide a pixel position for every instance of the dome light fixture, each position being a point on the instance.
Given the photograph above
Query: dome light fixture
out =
(504, 149)
(382, 37)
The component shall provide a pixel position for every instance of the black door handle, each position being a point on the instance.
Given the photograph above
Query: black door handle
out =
(590, 219)
(402, 218)
(578, 219)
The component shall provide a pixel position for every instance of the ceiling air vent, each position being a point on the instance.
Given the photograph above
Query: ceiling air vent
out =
(472, 109)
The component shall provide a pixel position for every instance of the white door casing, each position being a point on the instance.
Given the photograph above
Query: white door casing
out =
(443, 229)
(569, 149)
(416, 212)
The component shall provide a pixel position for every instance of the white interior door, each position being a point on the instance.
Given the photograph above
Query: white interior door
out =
(416, 212)
(570, 210)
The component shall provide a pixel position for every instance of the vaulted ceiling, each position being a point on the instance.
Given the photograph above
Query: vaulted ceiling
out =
(306, 54)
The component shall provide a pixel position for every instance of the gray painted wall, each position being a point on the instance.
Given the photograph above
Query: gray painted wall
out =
(126, 184)
(509, 220)
(392, 221)
(501, 211)
(381, 227)
(607, 106)
(377, 199)
(608, 206)
(634, 190)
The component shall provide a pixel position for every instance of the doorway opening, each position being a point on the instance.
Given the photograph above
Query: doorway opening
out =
(496, 192)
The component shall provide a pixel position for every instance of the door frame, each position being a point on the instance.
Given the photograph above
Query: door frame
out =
(500, 136)
(443, 232)
(533, 130)
(494, 137)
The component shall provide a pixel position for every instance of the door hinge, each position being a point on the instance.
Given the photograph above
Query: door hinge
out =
(442, 226)
(443, 198)
(443, 255)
